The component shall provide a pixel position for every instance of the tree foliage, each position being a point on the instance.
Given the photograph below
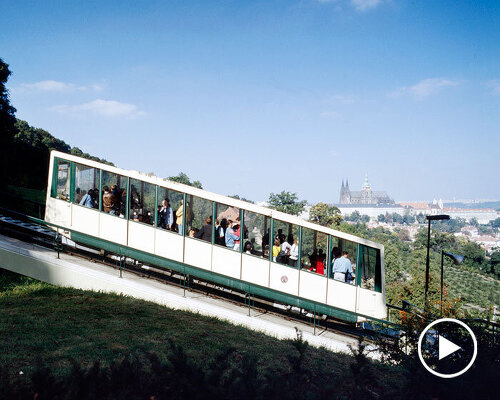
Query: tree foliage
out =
(474, 282)
(235, 196)
(184, 179)
(287, 202)
(38, 138)
(325, 215)
(29, 153)
(356, 217)
(7, 111)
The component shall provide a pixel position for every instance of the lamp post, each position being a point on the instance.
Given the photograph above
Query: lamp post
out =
(430, 218)
(457, 260)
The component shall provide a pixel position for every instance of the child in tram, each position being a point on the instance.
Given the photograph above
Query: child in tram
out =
(276, 249)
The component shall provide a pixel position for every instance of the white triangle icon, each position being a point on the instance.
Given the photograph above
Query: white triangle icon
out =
(446, 347)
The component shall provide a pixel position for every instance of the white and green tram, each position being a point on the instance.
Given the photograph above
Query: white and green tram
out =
(134, 230)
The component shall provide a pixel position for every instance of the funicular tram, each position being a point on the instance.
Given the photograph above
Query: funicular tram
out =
(133, 229)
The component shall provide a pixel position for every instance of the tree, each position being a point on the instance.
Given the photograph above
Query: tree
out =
(381, 218)
(495, 264)
(7, 128)
(354, 217)
(364, 219)
(404, 235)
(183, 178)
(286, 202)
(408, 219)
(421, 218)
(7, 112)
(77, 152)
(325, 215)
(495, 223)
(396, 218)
(235, 196)
(39, 138)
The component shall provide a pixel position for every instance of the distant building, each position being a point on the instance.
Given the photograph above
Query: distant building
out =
(364, 197)
(417, 208)
(366, 201)
(483, 215)
(373, 203)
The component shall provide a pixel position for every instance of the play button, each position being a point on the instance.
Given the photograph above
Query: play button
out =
(447, 348)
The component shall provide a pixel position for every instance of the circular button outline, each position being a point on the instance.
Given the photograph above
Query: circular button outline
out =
(438, 321)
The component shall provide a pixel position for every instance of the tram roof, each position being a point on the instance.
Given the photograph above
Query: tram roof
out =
(281, 216)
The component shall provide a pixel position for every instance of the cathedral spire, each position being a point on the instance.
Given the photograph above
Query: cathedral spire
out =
(366, 185)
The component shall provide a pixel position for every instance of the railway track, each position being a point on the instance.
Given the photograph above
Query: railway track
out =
(41, 235)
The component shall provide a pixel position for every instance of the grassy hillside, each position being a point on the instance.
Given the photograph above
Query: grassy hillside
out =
(472, 288)
(45, 325)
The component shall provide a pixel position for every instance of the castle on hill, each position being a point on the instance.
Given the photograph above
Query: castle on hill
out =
(364, 197)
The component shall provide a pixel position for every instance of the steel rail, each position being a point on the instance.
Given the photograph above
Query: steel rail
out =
(48, 240)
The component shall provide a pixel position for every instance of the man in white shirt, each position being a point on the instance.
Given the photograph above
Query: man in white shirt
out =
(341, 267)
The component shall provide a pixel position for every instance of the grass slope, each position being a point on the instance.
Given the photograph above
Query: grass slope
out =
(44, 323)
(473, 288)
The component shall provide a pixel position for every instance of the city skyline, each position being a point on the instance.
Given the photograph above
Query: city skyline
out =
(260, 97)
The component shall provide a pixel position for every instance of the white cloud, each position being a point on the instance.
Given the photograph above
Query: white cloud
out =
(365, 5)
(330, 114)
(344, 99)
(359, 5)
(55, 86)
(494, 84)
(102, 108)
(424, 88)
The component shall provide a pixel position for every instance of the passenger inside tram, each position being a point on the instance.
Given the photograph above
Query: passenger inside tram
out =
(117, 193)
(165, 215)
(89, 199)
(248, 249)
(276, 249)
(265, 241)
(284, 253)
(230, 236)
(320, 262)
(342, 268)
(289, 242)
(205, 233)
(294, 253)
(236, 231)
(266, 251)
(335, 253)
(312, 259)
(109, 201)
(179, 216)
(220, 233)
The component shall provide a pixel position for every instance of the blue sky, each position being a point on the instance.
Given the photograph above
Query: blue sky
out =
(253, 97)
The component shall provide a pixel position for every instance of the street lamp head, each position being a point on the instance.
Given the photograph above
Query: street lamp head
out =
(456, 258)
(437, 217)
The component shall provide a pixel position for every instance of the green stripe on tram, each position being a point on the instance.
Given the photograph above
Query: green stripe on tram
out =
(229, 282)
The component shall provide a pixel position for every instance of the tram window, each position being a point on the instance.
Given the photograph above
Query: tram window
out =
(228, 226)
(87, 186)
(173, 199)
(198, 214)
(114, 198)
(313, 250)
(256, 233)
(371, 269)
(142, 201)
(285, 236)
(338, 246)
(63, 180)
